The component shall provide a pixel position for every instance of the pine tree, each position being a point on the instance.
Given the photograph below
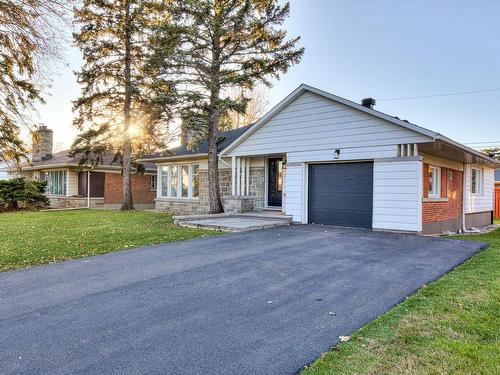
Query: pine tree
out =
(30, 41)
(122, 107)
(223, 45)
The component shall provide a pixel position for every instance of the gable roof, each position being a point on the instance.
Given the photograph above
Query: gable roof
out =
(201, 149)
(394, 120)
(61, 159)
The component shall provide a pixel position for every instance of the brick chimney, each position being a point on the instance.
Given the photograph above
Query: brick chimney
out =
(42, 143)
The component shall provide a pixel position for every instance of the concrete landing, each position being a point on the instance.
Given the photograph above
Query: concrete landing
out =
(233, 223)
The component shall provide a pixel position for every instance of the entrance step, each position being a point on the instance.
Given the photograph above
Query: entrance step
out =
(232, 223)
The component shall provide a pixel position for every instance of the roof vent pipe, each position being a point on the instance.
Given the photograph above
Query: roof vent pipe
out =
(368, 103)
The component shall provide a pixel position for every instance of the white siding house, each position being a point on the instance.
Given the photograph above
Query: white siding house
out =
(311, 128)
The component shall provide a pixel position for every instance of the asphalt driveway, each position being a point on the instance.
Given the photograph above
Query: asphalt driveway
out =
(246, 303)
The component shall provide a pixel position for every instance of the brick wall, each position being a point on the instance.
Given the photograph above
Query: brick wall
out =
(141, 189)
(449, 207)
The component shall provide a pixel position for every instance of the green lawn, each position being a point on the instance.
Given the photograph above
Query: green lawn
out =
(31, 238)
(452, 326)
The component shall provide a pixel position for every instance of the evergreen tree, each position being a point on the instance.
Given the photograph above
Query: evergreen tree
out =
(122, 108)
(222, 45)
(30, 39)
(494, 152)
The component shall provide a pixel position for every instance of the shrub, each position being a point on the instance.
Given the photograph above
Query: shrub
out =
(18, 194)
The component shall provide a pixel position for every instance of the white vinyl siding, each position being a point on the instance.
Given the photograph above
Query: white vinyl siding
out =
(397, 195)
(72, 184)
(312, 122)
(355, 153)
(482, 200)
(293, 199)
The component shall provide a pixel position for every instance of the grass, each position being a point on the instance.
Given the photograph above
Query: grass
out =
(32, 238)
(451, 326)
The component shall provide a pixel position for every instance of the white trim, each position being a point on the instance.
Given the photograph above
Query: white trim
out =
(159, 181)
(305, 189)
(238, 178)
(436, 182)
(233, 176)
(479, 181)
(247, 184)
(169, 168)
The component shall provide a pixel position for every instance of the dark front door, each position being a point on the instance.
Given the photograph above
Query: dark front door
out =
(275, 182)
(341, 194)
(96, 184)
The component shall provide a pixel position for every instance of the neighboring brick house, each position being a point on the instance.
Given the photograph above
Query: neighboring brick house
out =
(327, 160)
(68, 183)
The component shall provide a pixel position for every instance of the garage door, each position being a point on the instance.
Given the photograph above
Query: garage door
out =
(341, 194)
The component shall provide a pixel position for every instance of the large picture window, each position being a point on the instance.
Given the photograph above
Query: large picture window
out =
(434, 182)
(195, 178)
(174, 181)
(475, 181)
(56, 182)
(180, 181)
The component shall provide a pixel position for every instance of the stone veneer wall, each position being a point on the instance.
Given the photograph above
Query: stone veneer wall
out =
(201, 205)
(74, 202)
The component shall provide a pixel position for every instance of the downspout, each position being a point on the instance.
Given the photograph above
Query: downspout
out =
(464, 180)
(88, 189)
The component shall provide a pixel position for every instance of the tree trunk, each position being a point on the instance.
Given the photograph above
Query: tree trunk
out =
(213, 163)
(127, 203)
(213, 127)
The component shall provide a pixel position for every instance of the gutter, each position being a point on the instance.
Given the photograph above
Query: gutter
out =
(440, 137)
(173, 158)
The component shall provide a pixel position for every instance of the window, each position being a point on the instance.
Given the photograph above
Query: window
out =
(153, 183)
(56, 182)
(185, 181)
(195, 178)
(174, 181)
(164, 181)
(434, 182)
(179, 181)
(475, 185)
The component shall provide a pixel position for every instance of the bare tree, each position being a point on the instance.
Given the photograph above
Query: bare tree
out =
(258, 103)
(31, 32)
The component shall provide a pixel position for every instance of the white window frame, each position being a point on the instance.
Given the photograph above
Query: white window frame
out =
(179, 181)
(479, 181)
(435, 188)
(64, 180)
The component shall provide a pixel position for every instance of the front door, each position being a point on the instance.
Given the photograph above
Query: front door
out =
(275, 182)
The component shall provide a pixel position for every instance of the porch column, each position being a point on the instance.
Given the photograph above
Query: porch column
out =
(233, 176)
(243, 175)
(238, 176)
(248, 177)
(88, 189)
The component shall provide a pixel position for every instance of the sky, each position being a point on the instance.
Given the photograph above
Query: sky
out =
(384, 49)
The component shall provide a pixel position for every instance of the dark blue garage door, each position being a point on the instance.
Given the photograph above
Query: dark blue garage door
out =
(341, 194)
